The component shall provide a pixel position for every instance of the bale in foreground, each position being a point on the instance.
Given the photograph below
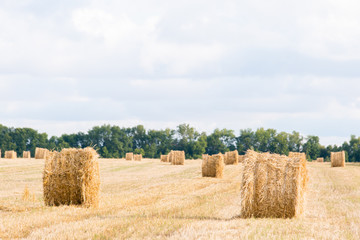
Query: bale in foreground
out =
(338, 159)
(71, 177)
(177, 157)
(129, 156)
(164, 158)
(137, 157)
(273, 186)
(10, 155)
(213, 166)
(231, 158)
(41, 153)
(27, 154)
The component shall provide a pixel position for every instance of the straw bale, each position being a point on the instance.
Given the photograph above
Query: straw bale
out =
(72, 177)
(171, 156)
(273, 186)
(241, 158)
(320, 160)
(137, 157)
(231, 158)
(26, 154)
(213, 166)
(338, 159)
(298, 154)
(177, 157)
(129, 156)
(205, 156)
(10, 155)
(164, 158)
(41, 153)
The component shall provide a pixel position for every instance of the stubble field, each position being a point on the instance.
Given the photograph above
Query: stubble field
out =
(154, 200)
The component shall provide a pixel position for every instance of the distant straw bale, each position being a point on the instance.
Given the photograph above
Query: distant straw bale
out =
(10, 155)
(27, 154)
(213, 166)
(320, 160)
(273, 186)
(338, 159)
(137, 157)
(72, 177)
(231, 158)
(164, 158)
(129, 156)
(41, 153)
(177, 157)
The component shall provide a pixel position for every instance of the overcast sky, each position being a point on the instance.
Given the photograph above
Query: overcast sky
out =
(66, 66)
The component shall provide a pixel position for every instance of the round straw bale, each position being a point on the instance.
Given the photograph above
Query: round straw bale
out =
(72, 177)
(273, 185)
(129, 156)
(337, 159)
(213, 166)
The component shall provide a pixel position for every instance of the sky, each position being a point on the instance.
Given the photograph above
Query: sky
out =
(66, 66)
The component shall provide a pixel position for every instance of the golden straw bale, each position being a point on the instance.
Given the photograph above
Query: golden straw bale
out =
(137, 157)
(177, 157)
(298, 154)
(241, 158)
(72, 177)
(338, 159)
(213, 166)
(205, 156)
(320, 160)
(164, 158)
(129, 156)
(10, 155)
(41, 153)
(26, 154)
(231, 158)
(273, 186)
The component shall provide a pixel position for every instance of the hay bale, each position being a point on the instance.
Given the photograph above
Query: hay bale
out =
(27, 154)
(10, 155)
(177, 157)
(213, 166)
(320, 160)
(205, 156)
(137, 157)
(241, 158)
(129, 156)
(41, 153)
(72, 177)
(338, 159)
(231, 158)
(164, 158)
(273, 186)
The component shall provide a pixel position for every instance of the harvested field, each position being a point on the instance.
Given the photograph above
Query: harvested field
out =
(154, 200)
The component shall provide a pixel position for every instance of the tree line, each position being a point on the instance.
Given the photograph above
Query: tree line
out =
(115, 142)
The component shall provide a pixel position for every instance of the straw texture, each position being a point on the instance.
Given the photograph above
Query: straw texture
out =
(10, 155)
(129, 156)
(338, 159)
(213, 166)
(320, 160)
(273, 186)
(177, 157)
(231, 158)
(71, 177)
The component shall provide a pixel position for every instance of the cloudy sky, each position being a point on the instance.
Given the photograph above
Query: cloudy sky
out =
(66, 66)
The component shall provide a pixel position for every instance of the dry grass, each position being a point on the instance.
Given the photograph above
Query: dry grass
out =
(155, 200)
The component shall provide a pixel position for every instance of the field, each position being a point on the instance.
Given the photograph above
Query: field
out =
(154, 200)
